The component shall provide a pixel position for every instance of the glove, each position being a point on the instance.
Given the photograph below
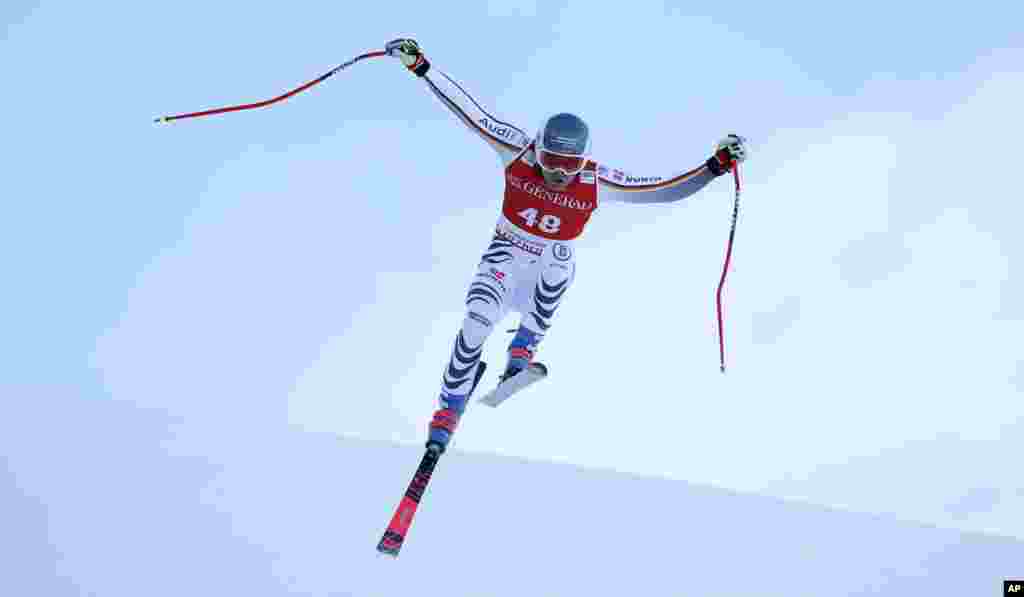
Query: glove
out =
(408, 51)
(730, 151)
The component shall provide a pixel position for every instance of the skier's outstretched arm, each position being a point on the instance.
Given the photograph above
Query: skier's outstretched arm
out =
(617, 185)
(507, 139)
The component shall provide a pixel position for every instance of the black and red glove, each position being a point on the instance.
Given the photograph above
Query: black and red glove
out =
(730, 151)
(408, 51)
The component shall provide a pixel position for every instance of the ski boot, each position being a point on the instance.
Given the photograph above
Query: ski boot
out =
(520, 352)
(446, 418)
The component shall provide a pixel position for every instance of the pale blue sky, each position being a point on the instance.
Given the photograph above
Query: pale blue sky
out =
(307, 263)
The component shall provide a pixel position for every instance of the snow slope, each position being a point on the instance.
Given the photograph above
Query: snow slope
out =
(109, 499)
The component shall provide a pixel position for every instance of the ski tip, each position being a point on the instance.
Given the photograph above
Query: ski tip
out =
(390, 543)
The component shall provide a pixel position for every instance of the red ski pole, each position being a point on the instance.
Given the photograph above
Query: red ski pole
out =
(274, 100)
(725, 268)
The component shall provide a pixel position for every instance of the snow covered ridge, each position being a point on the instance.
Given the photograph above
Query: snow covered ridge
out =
(157, 505)
(556, 529)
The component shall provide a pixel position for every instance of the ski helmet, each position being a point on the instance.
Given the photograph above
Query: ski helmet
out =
(562, 147)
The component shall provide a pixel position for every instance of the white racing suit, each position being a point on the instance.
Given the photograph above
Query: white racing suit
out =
(530, 262)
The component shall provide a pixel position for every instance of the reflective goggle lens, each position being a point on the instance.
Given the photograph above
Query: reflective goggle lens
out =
(557, 161)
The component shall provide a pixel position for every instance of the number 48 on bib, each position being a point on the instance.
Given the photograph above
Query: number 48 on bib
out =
(548, 222)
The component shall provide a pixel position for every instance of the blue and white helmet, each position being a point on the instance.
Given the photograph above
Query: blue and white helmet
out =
(562, 147)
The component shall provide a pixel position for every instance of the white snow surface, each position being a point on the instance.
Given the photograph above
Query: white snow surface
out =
(115, 500)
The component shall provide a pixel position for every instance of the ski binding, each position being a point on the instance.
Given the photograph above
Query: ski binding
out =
(533, 373)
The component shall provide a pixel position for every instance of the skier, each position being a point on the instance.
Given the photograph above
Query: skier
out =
(551, 190)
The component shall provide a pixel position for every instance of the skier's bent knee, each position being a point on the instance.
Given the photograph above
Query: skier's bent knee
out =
(478, 325)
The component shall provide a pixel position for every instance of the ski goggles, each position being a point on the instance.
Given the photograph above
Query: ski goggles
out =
(567, 163)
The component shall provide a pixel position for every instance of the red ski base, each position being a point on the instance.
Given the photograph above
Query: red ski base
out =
(397, 529)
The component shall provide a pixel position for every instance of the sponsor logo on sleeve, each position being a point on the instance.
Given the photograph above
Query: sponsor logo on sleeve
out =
(501, 131)
(643, 179)
(618, 175)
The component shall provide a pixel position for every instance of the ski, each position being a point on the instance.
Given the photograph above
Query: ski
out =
(517, 383)
(397, 529)
(394, 536)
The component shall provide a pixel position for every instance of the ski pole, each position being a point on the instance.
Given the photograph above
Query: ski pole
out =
(274, 100)
(725, 268)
